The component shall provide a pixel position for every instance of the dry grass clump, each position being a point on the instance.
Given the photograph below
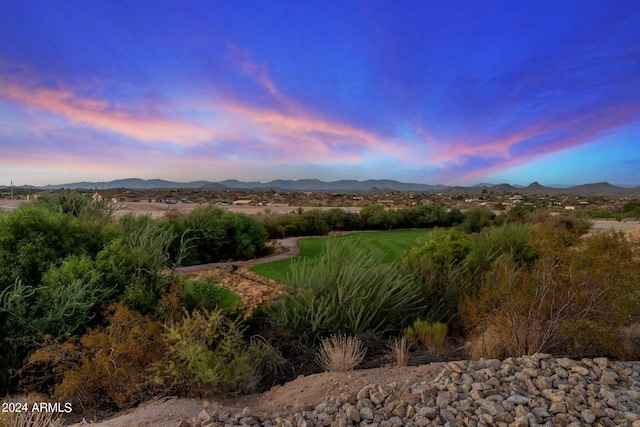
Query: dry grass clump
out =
(630, 341)
(504, 336)
(400, 351)
(340, 353)
(24, 416)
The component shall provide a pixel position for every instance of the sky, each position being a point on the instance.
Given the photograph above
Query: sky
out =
(431, 91)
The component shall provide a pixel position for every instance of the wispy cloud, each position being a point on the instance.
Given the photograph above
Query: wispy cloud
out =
(536, 141)
(100, 114)
(224, 125)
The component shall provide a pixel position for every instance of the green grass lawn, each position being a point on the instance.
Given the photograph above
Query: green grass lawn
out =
(388, 246)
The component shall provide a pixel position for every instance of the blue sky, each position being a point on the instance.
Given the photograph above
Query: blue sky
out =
(439, 92)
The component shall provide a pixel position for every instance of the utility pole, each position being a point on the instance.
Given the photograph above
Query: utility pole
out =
(11, 189)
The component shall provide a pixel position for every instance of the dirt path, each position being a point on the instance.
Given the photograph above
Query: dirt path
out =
(284, 248)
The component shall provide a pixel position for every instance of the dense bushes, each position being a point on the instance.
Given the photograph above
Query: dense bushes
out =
(316, 222)
(209, 234)
(631, 209)
(64, 259)
(569, 300)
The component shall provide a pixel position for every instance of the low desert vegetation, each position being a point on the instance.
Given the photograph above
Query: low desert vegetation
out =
(92, 310)
(399, 348)
(426, 334)
(347, 291)
(340, 353)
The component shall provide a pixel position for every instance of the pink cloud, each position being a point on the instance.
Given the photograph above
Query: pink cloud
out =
(98, 114)
(579, 130)
(291, 135)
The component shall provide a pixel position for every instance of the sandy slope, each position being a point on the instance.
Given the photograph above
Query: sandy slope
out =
(296, 394)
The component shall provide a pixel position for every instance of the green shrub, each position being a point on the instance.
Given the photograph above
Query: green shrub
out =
(209, 355)
(32, 238)
(347, 290)
(204, 227)
(438, 264)
(442, 249)
(510, 240)
(245, 237)
(631, 208)
(476, 219)
(146, 254)
(426, 334)
(70, 297)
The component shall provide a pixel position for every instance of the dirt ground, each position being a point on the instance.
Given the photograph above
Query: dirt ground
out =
(156, 209)
(301, 392)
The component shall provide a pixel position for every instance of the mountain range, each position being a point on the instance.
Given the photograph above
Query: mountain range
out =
(352, 186)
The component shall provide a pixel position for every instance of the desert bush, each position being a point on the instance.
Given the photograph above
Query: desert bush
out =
(310, 223)
(438, 265)
(347, 291)
(376, 217)
(476, 219)
(107, 368)
(95, 215)
(209, 355)
(568, 301)
(340, 353)
(32, 238)
(340, 220)
(146, 254)
(631, 208)
(442, 248)
(25, 416)
(204, 293)
(203, 226)
(245, 237)
(511, 240)
(519, 213)
(70, 297)
(426, 334)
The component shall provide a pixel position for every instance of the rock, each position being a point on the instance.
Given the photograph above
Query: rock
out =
(518, 399)
(386, 390)
(580, 370)
(366, 413)
(353, 414)
(517, 392)
(588, 416)
(396, 421)
(427, 412)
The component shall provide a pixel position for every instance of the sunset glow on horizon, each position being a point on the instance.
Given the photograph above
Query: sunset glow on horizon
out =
(434, 92)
